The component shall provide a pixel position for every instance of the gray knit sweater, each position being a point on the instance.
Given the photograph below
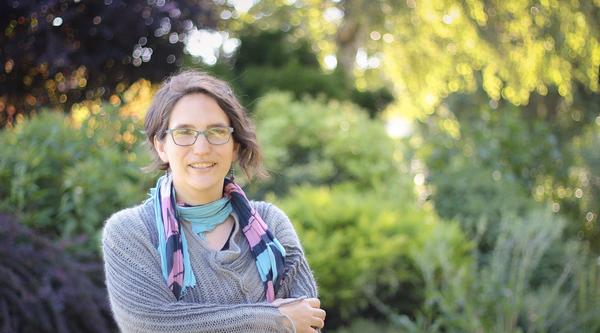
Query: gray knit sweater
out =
(229, 295)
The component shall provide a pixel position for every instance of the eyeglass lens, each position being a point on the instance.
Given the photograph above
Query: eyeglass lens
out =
(215, 136)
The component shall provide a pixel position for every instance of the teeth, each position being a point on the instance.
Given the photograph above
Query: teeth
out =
(202, 165)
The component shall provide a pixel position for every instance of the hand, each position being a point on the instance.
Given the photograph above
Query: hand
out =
(306, 315)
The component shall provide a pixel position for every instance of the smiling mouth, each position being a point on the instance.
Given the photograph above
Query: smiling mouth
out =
(202, 165)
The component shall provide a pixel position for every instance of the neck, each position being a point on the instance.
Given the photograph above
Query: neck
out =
(197, 198)
(194, 200)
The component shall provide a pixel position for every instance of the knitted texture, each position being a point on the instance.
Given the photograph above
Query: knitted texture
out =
(228, 296)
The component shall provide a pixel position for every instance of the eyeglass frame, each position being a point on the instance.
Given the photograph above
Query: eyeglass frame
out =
(198, 133)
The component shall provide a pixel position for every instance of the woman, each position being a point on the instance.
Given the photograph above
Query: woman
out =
(197, 256)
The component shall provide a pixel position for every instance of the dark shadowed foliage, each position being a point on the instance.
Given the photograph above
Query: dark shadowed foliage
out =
(45, 290)
(60, 52)
(277, 60)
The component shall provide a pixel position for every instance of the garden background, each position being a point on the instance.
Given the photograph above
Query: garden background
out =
(439, 159)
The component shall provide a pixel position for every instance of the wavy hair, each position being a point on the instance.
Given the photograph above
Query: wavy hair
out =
(192, 82)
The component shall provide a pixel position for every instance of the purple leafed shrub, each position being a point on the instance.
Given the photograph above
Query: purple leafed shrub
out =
(44, 289)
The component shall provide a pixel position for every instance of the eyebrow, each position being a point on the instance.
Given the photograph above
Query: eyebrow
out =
(192, 126)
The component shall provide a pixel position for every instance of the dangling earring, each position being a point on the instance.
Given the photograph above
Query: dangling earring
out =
(231, 174)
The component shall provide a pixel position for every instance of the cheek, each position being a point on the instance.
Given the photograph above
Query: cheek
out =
(172, 154)
(177, 156)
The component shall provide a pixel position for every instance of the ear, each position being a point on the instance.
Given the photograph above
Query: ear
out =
(159, 146)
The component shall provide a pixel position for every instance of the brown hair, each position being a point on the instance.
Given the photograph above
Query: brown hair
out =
(192, 82)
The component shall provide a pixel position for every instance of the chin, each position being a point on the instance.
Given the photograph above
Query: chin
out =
(206, 185)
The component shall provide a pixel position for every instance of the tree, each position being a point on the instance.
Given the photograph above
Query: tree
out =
(474, 59)
(60, 52)
(431, 49)
(276, 60)
(512, 49)
(335, 27)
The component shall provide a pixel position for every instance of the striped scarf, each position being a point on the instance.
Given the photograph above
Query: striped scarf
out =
(268, 253)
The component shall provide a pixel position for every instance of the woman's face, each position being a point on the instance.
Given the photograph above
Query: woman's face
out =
(198, 170)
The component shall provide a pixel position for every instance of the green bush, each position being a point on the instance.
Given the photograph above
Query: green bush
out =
(482, 161)
(256, 81)
(504, 293)
(584, 201)
(358, 244)
(64, 180)
(363, 325)
(471, 195)
(469, 192)
(490, 164)
(506, 139)
(373, 101)
(317, 143)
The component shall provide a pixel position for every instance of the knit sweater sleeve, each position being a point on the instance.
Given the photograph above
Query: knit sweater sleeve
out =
(142, 302)
(298, 280)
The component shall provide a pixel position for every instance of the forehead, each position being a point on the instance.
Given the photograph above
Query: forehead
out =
(197, 110)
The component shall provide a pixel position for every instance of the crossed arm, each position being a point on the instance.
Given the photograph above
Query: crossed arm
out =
(142, 302)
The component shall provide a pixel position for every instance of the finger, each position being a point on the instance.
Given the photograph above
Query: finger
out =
(319, 313)
(306, 330)
(316, 322)
(314, 302)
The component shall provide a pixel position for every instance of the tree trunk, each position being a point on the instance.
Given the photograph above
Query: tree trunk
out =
(347, 37)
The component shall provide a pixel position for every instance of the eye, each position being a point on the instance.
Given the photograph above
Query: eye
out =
(185, 131)
(218, 131)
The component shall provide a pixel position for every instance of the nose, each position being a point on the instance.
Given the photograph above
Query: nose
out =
(201, 145)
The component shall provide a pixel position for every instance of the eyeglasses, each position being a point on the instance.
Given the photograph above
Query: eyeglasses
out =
(219, 135)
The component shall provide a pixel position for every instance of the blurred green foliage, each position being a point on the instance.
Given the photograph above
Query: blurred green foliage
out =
(512, 50)
(65, 179)
(485, 159)
(513, 289)
(293, 77)
(338, 175)
(316, 142)
(275, 60)
(273, 48)
(359, 243)
(378, 253)
(360, 325)
(581, 199)
(506, 97)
